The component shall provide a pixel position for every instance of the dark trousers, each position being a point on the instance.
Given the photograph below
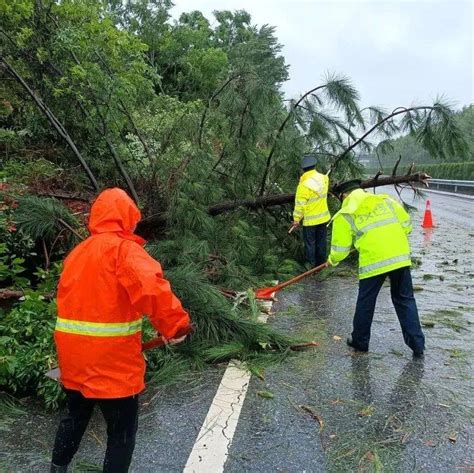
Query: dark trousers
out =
(314, 237)
(121, 416)
(401, 290)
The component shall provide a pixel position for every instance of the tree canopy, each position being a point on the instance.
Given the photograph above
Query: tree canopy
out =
(411, 150)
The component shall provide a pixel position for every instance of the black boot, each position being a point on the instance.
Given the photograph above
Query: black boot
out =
(58, 468)
(355, 346)
(418, 354)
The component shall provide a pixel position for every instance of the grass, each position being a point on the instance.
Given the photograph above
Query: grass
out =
(458, 353)
(83, 467)
(10, 411)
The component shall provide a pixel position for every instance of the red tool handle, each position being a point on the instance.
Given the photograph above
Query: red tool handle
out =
(158, 341)
(266, 292)
(55, 373)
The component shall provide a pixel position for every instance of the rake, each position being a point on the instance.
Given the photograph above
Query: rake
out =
(266, 293)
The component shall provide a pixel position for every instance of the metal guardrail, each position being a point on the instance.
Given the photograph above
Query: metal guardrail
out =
(462, 187)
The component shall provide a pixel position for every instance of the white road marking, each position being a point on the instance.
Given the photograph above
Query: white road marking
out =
(213, 442)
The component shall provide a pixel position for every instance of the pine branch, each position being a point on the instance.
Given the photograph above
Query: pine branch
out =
(280, 131)
(281, 199)
(43, 218)
(339, 92)
(208, 105)
(425, 134)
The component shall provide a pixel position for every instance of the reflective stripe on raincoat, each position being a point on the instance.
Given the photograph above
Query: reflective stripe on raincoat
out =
(377, 226)
(108, 282)
(311, 199)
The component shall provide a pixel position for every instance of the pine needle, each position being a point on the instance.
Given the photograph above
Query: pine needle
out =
(41, 217)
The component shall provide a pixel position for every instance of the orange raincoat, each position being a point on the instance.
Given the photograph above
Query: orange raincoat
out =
(108, 282)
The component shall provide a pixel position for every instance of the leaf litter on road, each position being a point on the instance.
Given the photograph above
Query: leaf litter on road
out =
(314, 415)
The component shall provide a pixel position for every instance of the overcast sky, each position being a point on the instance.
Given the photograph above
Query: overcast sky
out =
(396, 52)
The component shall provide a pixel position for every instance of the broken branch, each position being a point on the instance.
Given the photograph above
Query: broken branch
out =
(282, 199)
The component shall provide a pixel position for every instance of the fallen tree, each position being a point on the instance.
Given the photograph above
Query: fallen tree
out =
(155, 224)
(281, 199)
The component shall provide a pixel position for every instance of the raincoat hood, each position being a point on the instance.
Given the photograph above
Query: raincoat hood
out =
(352, 202)
(355, 199)
(114, 211)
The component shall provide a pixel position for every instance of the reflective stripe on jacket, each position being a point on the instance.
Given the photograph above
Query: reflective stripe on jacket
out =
(377, 226)
(108, 282)
(311, 199)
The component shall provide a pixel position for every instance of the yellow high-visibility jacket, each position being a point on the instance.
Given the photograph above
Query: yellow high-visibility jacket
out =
(311, 201)
(378, 227)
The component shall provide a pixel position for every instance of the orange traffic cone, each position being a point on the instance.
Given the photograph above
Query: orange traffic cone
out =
(428, 217)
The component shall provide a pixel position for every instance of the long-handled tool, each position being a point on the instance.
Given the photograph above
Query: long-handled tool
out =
(292, 227)
(266, 293)
(55, 373)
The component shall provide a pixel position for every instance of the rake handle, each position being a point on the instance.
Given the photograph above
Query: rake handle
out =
(159, 341)
(317, 269)
(55, 373)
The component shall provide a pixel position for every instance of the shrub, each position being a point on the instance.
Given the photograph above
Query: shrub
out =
(461, 171)
(27, 348)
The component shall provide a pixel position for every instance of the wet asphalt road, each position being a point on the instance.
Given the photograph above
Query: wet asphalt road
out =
(332, 410)
(382, 409)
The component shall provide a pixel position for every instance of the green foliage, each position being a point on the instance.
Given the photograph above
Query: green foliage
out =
(39, 173)
(15, 247)
(43, 217)
(411, 150)
(27, 348)
(11, 268)
(47, 279)
(27, 172)
(461, 171)
(191, 111)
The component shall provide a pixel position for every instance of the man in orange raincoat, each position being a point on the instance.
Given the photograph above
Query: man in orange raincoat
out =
(108, 283)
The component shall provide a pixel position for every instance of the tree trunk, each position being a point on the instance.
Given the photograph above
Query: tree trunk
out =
(280, 199)
(105, 135)
(53, 120)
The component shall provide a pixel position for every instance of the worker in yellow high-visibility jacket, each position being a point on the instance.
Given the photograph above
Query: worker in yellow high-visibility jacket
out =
(311, 209)
(378, 227)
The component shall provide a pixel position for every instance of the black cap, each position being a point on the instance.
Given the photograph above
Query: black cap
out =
(308, 161)
(347, 186)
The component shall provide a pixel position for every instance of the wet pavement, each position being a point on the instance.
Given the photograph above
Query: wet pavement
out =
(169, 422)
(332, 410)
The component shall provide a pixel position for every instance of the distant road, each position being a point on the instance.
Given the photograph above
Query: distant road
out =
(449, 207)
